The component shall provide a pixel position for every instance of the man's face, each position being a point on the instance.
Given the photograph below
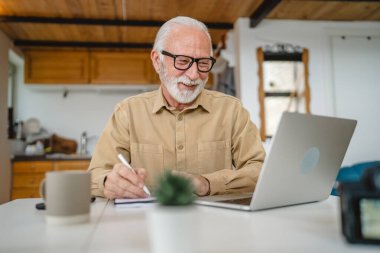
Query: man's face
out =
(181, 88)
(184, 86)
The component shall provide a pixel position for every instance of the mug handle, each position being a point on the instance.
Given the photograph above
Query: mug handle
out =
(43, 189)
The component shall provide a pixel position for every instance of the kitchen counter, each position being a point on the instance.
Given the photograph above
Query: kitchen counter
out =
(53, 157)
(29, 170)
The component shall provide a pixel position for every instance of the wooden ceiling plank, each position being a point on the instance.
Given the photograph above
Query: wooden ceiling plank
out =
(122, 31)
(89, 9)
(308, 11)
(206, 11)
(10, 31)
(36, 7)
(4, 8)
(57, 32)
(120, 8)
(248, 7)
(9, 8)
(106, 9)
(157, 10)
(29, 31)
(145, 34)
(365, 11)
(262, 11)
(211, 11)
(22, 31)
(56, 9)
(375, 14)
(72, 31)
(74, 8)
(320, 10)
(230, 10)
(111, 34)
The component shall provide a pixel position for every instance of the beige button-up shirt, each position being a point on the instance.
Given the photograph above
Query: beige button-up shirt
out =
(214, 137)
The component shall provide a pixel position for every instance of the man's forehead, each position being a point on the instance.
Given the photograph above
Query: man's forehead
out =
(186, 38)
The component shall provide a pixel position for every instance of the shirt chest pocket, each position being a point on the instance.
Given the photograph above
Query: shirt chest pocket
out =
(214, 156)
(148, 156)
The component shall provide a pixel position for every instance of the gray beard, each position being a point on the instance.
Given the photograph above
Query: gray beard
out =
(181, 96)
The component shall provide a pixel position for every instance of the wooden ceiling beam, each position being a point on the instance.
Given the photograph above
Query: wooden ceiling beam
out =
(83, 44)
(262, 11)
(102, 22)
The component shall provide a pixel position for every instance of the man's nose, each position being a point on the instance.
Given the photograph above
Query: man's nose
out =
(193, 72)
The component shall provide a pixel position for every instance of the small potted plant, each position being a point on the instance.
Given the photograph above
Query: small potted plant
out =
(174, 190)
(173, 222)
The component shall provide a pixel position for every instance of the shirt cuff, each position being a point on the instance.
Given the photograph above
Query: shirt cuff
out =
(97, 188)
(216, 181)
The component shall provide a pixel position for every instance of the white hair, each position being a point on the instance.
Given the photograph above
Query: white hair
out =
(167, 27)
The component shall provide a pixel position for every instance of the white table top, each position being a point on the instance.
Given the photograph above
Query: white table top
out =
(23, 229)
(311, 227)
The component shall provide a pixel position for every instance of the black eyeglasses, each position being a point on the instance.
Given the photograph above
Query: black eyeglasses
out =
(183, 62)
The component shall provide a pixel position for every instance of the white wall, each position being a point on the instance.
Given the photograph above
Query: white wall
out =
(325, 97)
(85, 108)
(5, 171)
(356, 65)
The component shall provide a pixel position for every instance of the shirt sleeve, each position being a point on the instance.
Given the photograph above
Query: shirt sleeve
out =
(113, 140)
(248, 156)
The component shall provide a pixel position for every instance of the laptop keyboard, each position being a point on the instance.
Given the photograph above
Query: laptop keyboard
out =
(244, 201)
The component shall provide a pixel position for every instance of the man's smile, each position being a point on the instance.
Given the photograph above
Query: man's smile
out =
(188, 86)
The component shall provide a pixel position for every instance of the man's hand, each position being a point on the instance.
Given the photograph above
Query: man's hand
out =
(201, 184)
(124, 183)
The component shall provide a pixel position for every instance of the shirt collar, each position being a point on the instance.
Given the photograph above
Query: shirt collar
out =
(201, 101)
(159, 101)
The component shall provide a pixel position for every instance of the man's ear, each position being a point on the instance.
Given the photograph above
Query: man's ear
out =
(155, 57)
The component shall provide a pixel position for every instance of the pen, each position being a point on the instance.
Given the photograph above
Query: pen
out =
(125, 162)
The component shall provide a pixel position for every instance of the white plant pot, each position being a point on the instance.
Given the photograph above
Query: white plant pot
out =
(173, 229)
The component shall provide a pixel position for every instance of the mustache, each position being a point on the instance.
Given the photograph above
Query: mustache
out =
(187, 81)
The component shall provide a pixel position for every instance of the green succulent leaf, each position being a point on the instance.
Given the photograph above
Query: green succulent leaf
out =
(174, 190)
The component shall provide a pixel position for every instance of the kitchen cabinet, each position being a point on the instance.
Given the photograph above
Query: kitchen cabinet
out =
(122, 67)
(71, 165)
(27, 175)
(56, 67)
(88, 67)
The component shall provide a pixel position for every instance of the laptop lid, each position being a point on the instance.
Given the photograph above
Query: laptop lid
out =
(302, 163)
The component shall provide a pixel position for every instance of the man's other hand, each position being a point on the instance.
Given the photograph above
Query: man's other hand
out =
(201, 184)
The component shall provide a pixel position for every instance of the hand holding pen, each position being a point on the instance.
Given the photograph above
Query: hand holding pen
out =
(124, 182)
(125, 162)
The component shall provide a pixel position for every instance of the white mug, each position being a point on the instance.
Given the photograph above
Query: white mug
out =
(67, 196)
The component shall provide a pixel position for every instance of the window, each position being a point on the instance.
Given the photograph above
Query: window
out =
(283, 84)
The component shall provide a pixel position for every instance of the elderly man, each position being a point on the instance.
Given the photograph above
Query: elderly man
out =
(204, 135)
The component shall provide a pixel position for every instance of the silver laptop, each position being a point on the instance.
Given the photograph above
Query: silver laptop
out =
(301, 166)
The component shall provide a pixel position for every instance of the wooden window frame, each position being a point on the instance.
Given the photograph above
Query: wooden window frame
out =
(260, 59)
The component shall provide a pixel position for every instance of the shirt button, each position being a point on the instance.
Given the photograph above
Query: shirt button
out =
(180, 117)
(180, 147)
